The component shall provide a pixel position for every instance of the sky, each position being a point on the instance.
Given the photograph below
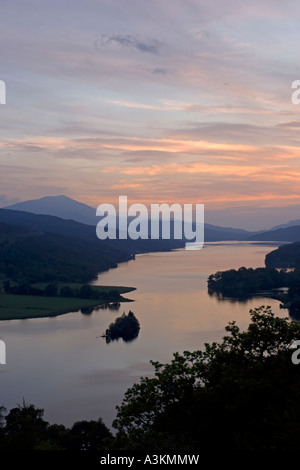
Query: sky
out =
(185, 101)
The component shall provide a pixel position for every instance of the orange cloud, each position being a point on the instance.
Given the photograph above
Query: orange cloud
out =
(176, 145)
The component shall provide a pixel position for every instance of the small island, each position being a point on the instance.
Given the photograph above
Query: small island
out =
(126, 327)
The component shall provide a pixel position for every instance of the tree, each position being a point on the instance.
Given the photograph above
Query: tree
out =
(66, 291)
(25, 427)
(2, 417)
(55, 438)
(85, 292)
(242, 393)
(51, 290)
(2, 433)
(6, 285)
(126, 327)
(88, 435)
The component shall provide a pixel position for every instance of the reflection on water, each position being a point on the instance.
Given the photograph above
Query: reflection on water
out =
(126, 340)
(243, 298)
(220, 297)
(107, 306)
(60, 363)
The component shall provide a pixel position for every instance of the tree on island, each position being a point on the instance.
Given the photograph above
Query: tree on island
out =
(126, 327)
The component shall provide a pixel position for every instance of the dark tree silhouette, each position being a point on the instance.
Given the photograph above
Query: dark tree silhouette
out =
(126, 327)
(89, 435)
(25, 427)
(243, 393)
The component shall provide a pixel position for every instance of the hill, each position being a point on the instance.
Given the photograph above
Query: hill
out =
(69, 209)
(59, 206)
(71, 228)
(286, 256)
(44, 248)
(291, 223)
(214, 233)
(288, 234)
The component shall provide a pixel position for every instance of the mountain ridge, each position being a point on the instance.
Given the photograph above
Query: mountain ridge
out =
(66, 208)
(69, 209)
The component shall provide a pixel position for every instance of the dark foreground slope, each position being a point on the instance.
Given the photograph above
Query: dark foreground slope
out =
(42, 257)
(45, 248)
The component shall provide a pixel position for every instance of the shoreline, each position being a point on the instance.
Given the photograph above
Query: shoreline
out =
(25, 307)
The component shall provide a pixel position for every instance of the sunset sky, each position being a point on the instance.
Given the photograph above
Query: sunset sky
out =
(183, 101)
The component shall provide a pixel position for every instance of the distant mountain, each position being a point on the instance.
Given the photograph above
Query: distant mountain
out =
(69, 209)
(63, 216)
(38, 223)
(237, 231)
(58, 206)
(214, 233)
(288, 234)
(291, 223)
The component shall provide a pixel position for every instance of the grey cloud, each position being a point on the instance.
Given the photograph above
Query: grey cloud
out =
(160, 70)
(238, 133)
(130, 41)
(289, 124)
(139, 156)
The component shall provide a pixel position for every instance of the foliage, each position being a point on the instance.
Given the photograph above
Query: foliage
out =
(88, 435)
(293, 300)
(52, 290)
(241, 394)
(50, 257)
(243, 281)
(286, 256)
(126, 327)
(41, 248)
(25, 429)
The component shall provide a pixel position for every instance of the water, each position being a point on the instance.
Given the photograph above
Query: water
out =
(62, 365)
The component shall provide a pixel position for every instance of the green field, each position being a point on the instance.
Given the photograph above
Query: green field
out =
(13, 307)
